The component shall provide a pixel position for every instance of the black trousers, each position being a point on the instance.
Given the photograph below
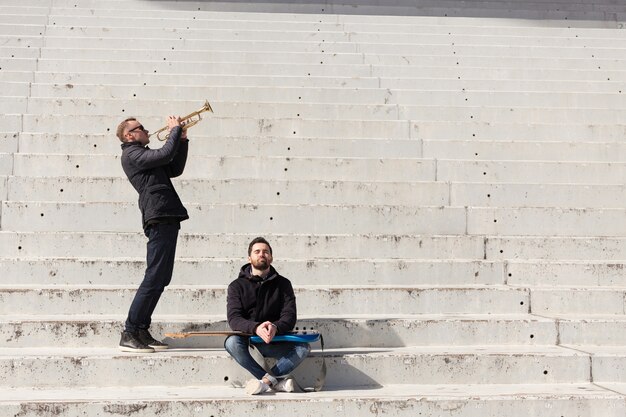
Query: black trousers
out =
(161, 250)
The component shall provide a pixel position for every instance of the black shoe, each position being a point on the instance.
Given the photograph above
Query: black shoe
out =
(130, 342)
(146, 338)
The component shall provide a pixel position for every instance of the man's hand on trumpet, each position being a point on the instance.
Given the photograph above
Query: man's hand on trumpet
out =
(173, 121)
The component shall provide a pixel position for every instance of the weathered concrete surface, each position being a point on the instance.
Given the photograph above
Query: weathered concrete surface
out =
(211, 299)
(488, 400)
(210, 270)
(339, 331)
(229, 245)
(352, 367)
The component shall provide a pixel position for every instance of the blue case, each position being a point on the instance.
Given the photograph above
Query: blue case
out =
(307, 337)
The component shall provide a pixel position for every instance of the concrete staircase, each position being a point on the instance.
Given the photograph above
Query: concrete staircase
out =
(442, 181)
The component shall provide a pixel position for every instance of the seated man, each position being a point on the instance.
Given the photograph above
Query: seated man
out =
(262, 302)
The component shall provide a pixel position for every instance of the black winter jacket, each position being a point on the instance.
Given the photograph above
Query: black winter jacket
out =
(251, 301)
(150, 170)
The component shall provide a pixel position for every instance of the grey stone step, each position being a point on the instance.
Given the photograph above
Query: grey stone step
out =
(372, 65)
(115, 27)
(485, 400)
(190, 271)
(582, 273)
(204, 191)
(340, 80)
(527, 151)
(324, 219)
(331, 168)
(95, 107)
(580, 300)
(225, 146)
(283, 218)
(230, 245)
(338, 332)
(572, 46)
(209, 270)
(591, 329)
(528, 221)
(337, 300)
(554, 247)
(608, 362)
(505, 97)
(386, 20)
(339, 52)
(250, 167)
(261, 191)
(347, 368)
(536, 195)
(403, 11)
(325, 128)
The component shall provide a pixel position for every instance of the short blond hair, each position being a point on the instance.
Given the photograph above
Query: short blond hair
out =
(122, 126)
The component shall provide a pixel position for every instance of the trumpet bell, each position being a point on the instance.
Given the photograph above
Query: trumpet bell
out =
(188, 121)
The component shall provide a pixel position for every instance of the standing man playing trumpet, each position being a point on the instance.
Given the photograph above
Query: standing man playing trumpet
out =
(149, 171)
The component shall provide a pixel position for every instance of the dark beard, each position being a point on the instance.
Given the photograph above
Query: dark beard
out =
(261, 265)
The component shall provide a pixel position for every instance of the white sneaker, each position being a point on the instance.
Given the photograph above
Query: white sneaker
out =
(256, 386)
(284, 385)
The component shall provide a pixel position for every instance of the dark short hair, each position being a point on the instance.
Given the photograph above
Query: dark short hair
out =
(258, 240)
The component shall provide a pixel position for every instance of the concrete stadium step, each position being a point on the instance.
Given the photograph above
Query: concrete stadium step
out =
(580, 273)
(225, 146)
(591, 330)
(329, 32)
(189, 271)
(397, 246)
(313, 52)
(527, 151)
(432, 73)
(251, 167)
(332, 169)
(485, 400)
(347, 368)
(283, 218)
(536, 195)
(608, 362)
(208, 191)
(468, 39)
(371, 65)
(209, 270)
(205, 191)
(405, 11)
(228, 43)
(326, 128)
(346, 300)
(608, 300)
(230, 245)
(338, 332)
(96, 107)
(239, 127)
(297, 168)
(506, 97)
(323, 219)
(476, 71)
(554, 247)
(357, 17)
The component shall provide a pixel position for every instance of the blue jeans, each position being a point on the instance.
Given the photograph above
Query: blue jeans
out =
(288, 355)
(161, 250)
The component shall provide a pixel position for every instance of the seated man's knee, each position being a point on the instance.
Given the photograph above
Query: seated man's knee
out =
(303, 349)
(235, 344)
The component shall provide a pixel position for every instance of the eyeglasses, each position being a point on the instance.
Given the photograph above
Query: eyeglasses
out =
(140, 127)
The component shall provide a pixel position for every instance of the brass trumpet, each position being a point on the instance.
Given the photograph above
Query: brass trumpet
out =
(188, 121)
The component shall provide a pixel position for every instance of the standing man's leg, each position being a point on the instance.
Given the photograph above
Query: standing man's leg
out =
(161, 251)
